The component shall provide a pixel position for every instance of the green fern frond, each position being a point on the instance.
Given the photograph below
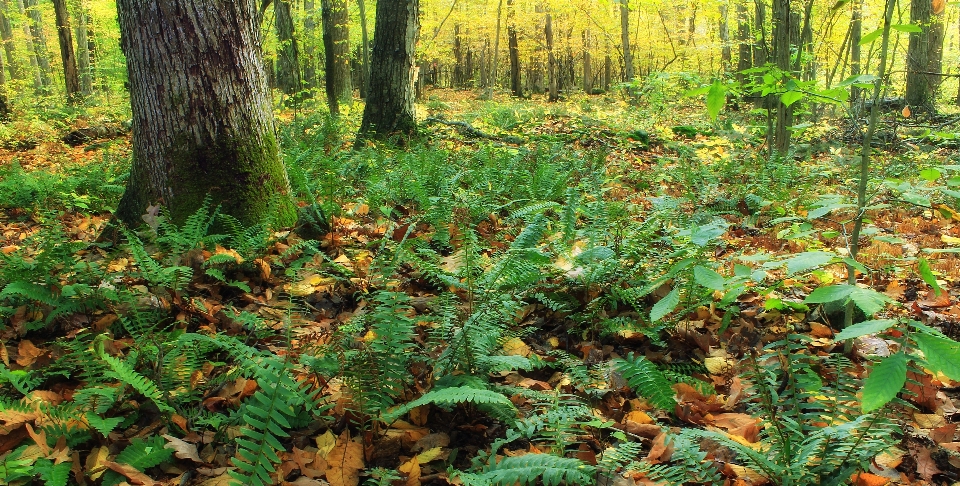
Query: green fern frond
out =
(647, 380)
(122, 371)
(144, 454)
(531, 468)
(29, 291)
(498, 405)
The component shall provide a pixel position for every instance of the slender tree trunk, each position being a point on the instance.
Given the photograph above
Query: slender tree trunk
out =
(924, 56)
(364, 50)
(9, 48)
(726, 54)
(336, 43)
(554, 95)
(288, 55)
(782, 35)
(513, 45)
(309, 46)
(39, 41)
(625, 41)
(856, 32)
(496, 46)
(202, 118)
(71, 77)
(761, 54)
(83, 51)
(587, 63)
(745, 39)
(390, 100)
(607, 72)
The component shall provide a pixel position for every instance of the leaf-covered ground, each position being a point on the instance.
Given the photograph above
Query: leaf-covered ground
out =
(593, 292)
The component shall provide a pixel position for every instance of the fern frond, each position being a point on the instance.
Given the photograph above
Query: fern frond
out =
(529, 468)
(122, 371)
(498, 405)
(644, 377)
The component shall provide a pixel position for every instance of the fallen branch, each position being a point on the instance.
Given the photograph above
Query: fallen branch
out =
(468, 130)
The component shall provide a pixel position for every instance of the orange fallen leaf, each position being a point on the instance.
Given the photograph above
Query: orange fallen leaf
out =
(27, 353)
(867, 479)
(345, 462)
(411, 469)
(133, 474)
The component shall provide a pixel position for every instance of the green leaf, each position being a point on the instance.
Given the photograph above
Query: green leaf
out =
(869, 301)
(884, 383)
(716, 98)
(864, 328)
(831, 293)
(927, 275)
(861, 79)
(791, 97)
(909, 28)
(871, 37)
(709, 278)
(802, 262)
(930, 174)
(941, 354)
(665, 305)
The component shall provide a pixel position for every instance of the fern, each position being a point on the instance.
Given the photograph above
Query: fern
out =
(122, 371)
(545, 468)
(140, 454)
(496, 404)
(649, 382)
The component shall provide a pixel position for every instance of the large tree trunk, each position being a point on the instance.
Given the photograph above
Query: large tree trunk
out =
(309, 46)
(39, 41)
(288, 55)
(389, 109)
(202, 117)
(924, 55)
(9, 48)
(745, 39)
(513, 45)
(364, 51)
(783, 32)
(83, 51)
(71, 77)
(625, 41)
(336, 43)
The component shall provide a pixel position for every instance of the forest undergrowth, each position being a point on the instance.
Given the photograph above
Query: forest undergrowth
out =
(594, 292)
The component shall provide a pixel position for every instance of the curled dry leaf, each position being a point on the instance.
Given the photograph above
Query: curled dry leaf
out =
(182, 449)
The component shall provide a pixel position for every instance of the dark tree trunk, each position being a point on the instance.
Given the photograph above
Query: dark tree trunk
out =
(459, 71)
(83, 51)
(726, 54)
(924, 56)
(390, 109)
(288, 55)
(607, 72)
(513, 44)
(745, 39)
(9, 48)
(551, 59)
(783, 32)
(625, 41)
(587, 63)
(39, 41)
(202, 117)
(364, 50)
(496, 47)
(71, 77)
(336, 43)
(309, 46)
(856, 32)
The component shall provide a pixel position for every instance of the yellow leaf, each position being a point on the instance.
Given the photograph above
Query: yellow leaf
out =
(516, 347)
(950, 240)
(717, 365)
(95, 462)
(345, 462)
(429, 455)
(325, 443)
(411, 469)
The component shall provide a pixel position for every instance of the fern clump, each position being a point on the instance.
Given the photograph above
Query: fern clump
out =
(649, 382)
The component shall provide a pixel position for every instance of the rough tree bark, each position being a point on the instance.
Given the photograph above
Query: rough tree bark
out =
(390, 109)
(364, 50)
(336, 43)
(513, 45)
(83, 52)
(625, 41)
(587, 63)
(783, 32)
(856, 33)
(726, 54)
(924, 54)
(745, 39)
(202, 117)
(309, 46)
(551, 59)
(71, 77)
(288, 55)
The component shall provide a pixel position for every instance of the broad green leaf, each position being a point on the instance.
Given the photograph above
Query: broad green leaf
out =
(716, 98)
(869, 301)
(829, 294)
(916, 199)
(790, 97)
(930, 174)
(884, 383)
(861, 79)
(802, 262)
(927, 275)
(665, 305)
(864, 328)
(942, 354)
(709, 278)
(909, 28)
(871, 37)
(702, 235)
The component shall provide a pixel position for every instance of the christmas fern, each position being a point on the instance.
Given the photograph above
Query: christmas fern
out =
(494, 403)
(649, 382)
(533, 468)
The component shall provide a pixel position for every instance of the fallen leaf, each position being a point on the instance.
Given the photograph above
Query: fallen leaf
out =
(182, 449)
(345, 462)
(411, 469)
(867, 479)
(27, 353)
(133, 474)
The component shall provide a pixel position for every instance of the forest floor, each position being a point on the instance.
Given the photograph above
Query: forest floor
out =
(596, 291)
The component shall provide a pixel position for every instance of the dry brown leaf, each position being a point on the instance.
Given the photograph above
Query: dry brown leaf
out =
(660, 451)
(182, 449)
(411, 469)
(96, 462)
(906, 111)
(431, 441)
(40, 439)
(419, 415)
(345, 462)
(221, 480)
(639, 417)
(27, 353)
(133, 474)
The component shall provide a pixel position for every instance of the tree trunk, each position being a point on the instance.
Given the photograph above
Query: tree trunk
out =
(390, 109)
(924, 55)
(496, 47)
(336, 43)
(726, 54)
(551, 59)
(745, 39)
(587, 61)
(856, 33)
(364, 50)
(288, 55)
(39, 42)
(83, 51)
(9, 48)
(309, 46)
(202, 118)
(761, 53)
(625, 41)
(513, 45)
(458, 67)
(607, 72)
(71, 78)
(782, 35)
